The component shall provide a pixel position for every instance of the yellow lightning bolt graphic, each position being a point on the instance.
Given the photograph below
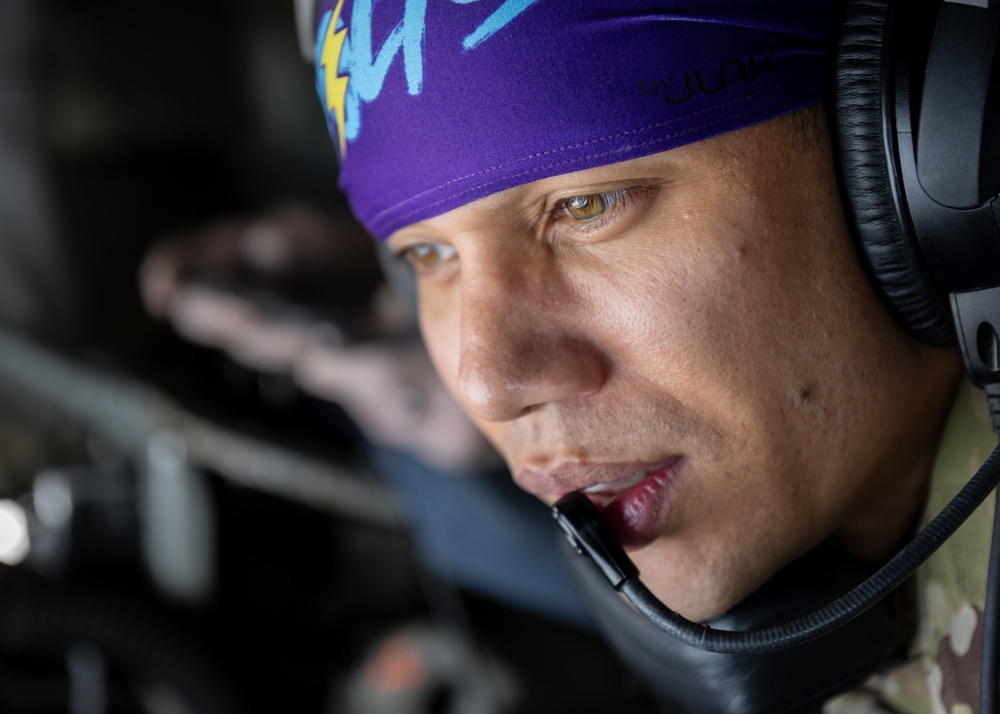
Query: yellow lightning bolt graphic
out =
(335, 85)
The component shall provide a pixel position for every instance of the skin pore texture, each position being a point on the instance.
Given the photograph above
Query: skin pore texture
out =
(693, 329)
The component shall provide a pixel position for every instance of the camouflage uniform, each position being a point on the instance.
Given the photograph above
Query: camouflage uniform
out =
(943, 675)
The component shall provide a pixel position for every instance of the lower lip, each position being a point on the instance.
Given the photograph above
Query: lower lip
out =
(637, 514)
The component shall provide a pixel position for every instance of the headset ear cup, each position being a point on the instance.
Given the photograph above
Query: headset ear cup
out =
(889, 251)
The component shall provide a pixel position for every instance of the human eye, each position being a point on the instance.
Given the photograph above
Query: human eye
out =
(426, 256)
(590, 212)
(589, 206)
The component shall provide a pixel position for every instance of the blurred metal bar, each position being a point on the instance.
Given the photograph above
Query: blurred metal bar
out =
(129, 413)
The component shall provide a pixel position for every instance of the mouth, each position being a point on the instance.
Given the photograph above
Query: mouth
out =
(603, 493)
(636, 505)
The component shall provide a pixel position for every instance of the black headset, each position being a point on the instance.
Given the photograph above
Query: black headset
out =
(917, 127)
(915, 108)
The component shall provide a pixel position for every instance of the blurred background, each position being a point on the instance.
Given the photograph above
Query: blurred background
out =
(228, 482)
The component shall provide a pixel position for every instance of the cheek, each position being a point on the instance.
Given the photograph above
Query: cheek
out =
(440, 326)
(680, 317)
(726, 316)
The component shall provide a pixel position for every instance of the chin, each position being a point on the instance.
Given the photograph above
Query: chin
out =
(700, 589)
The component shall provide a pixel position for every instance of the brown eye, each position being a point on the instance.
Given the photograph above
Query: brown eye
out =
(428, 255)
(585, 208)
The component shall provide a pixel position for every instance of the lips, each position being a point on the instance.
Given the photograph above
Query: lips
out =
(637, 513)
(635, 500)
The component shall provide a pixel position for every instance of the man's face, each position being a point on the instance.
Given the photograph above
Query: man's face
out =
(690, 337)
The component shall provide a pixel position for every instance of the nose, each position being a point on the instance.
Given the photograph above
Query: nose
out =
(522, 345)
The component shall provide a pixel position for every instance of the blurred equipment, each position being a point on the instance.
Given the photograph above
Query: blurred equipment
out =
(157, 432)
(119, 520)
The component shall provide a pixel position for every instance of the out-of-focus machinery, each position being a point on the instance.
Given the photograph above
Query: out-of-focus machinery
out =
(120, 507)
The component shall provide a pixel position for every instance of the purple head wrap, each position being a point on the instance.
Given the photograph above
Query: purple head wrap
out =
(432, 105)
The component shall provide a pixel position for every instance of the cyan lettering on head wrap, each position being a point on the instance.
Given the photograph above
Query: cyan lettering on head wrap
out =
(432, 105)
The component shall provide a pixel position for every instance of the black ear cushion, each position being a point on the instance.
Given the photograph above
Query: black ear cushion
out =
(891, 254)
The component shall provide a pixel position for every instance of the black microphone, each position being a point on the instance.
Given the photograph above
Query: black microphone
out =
(585, 528)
